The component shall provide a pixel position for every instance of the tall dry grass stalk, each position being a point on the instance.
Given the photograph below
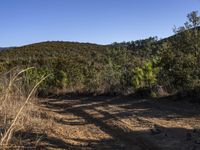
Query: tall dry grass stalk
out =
(10, 84)
(17, 112)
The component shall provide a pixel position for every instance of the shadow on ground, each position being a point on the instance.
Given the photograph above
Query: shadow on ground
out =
(112, 110)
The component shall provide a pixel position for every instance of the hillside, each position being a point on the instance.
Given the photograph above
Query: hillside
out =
(58, 49)
(3, 48)
(118, 68)
(147, 66)
(47, 50)
(98, 122)
(73, 65)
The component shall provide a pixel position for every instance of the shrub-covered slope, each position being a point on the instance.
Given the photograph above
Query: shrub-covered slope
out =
(170, 65)
(81, 67)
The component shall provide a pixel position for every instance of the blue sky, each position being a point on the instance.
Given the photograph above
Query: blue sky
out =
(96, 21)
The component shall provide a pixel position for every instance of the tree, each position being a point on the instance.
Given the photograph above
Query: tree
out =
(180, 60)
(194, 20)
(145, 76)
(192, 23)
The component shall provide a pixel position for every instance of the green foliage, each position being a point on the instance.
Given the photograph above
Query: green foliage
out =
(75, 66)
(192, 23)
(2, 68)
(138, 77)
(172, 63)
(180, 60)
(145, 76)
(143, 48)
(62, 79)
(33, 76)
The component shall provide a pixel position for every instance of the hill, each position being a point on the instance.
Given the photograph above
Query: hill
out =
(117, 68)
(169, 65)
(4, 48)
(74, 66)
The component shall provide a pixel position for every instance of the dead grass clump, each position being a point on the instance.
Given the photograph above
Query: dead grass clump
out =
(20, 114)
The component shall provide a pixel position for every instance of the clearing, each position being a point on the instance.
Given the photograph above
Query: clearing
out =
(121, 123)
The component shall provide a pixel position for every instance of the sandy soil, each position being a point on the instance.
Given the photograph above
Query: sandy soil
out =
(121, 123)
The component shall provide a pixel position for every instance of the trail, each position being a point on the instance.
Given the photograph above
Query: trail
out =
(123, 123)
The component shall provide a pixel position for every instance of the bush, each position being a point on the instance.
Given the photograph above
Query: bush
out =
(145, 76)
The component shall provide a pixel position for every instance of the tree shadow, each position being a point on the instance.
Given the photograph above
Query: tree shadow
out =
(122, 137)
(165, 140)
(185, 140)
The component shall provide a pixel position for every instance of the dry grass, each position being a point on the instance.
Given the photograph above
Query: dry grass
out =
(19, 113)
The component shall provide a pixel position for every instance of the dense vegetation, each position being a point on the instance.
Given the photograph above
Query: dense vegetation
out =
(156, 66)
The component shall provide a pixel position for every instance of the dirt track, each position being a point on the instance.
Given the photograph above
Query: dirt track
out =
(122, 123)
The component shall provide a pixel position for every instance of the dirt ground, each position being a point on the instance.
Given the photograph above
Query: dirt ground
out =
(122, 123)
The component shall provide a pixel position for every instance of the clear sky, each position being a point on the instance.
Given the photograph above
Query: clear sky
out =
(97, 21)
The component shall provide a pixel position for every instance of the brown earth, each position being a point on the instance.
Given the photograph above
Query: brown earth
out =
(121, 123)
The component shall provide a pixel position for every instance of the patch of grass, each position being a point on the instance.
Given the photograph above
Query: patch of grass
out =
(18, 112)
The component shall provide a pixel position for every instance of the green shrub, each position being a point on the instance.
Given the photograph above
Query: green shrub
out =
(145, 76)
